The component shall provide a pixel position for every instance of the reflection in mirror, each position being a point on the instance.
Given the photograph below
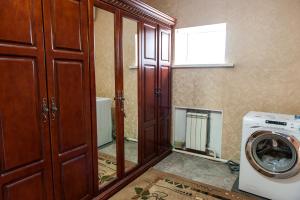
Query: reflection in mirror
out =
(105, 92)
(130, 77)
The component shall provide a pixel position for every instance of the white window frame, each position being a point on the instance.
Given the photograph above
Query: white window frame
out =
(182, 48)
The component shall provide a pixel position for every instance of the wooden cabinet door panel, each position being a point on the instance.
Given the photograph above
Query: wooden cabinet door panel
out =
(164, 85)
(23, 188)
(77, 165)
(148, 86)
(149, 107)
(150, 39)
(20, 122)
(164, 110)
(149, 142)
(69, 91)
(18, 22)
(67, 20)
(25, 162)
(165, 46)
(149, 89)
(66, 27)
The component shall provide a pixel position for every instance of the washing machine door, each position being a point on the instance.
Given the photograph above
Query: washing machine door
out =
(274, 154)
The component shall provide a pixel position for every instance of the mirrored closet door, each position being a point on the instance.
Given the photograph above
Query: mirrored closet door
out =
(105, 79)
(130, 83)
(131, 107)
(130, 91)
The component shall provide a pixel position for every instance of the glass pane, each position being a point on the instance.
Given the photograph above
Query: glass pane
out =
(274, 153)
(105, 92)
(130, 73)
(200, 44)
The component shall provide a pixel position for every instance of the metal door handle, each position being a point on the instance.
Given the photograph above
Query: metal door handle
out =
(54, 108)
(157, 92)
(121, 99)
(45, 110)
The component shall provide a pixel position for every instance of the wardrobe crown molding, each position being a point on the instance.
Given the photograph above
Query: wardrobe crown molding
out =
(143, 10)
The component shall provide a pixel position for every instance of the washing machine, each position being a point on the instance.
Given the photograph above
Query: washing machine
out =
(270, 161)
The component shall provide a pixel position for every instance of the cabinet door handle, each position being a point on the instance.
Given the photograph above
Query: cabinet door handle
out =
(123, 107)
(54, 109)
(45, 110)
(120, 100)
(157, 92)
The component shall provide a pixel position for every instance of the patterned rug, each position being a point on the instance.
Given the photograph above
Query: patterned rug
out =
(107, 167)
(157, 185)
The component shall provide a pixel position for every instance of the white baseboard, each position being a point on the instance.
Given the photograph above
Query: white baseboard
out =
(201, 156)
(131, 139)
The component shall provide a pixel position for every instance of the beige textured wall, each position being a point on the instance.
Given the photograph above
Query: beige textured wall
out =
(105, 66)
(263, 41)
(104, 54)
(130, 79)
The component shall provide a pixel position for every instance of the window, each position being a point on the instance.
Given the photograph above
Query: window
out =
(200, 45)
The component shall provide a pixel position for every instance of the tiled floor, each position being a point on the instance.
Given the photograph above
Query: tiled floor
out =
(198, 169)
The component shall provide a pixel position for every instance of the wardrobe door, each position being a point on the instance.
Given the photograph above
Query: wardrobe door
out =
(106, 89)
(25, 162)
(130, 109)
(148, 91)
(69, 98)
(164, 89)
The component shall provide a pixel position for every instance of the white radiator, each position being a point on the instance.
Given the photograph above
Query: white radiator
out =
(196, 131)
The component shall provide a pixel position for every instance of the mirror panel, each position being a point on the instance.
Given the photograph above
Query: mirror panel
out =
(105, 93)
(130, 87)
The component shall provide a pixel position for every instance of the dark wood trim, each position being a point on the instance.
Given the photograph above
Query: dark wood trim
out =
(143, 11)
(122, 183)
(171, 85)
(105, 6)
(140, 93)
(119, 92)
(128, 15)
(93, 97)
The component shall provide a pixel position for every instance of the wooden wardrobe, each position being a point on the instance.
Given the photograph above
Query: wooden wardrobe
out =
(156, 87)
(45, 120)
(47, 97)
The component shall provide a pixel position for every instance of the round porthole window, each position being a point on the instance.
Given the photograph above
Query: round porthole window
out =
(273, 154)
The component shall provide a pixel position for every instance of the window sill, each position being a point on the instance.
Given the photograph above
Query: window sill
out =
(224, 65)
(133, 67)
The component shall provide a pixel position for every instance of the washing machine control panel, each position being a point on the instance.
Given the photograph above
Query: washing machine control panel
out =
(274, 121)
(291, 126)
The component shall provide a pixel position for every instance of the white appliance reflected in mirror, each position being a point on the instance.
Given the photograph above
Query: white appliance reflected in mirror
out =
(104, 121)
